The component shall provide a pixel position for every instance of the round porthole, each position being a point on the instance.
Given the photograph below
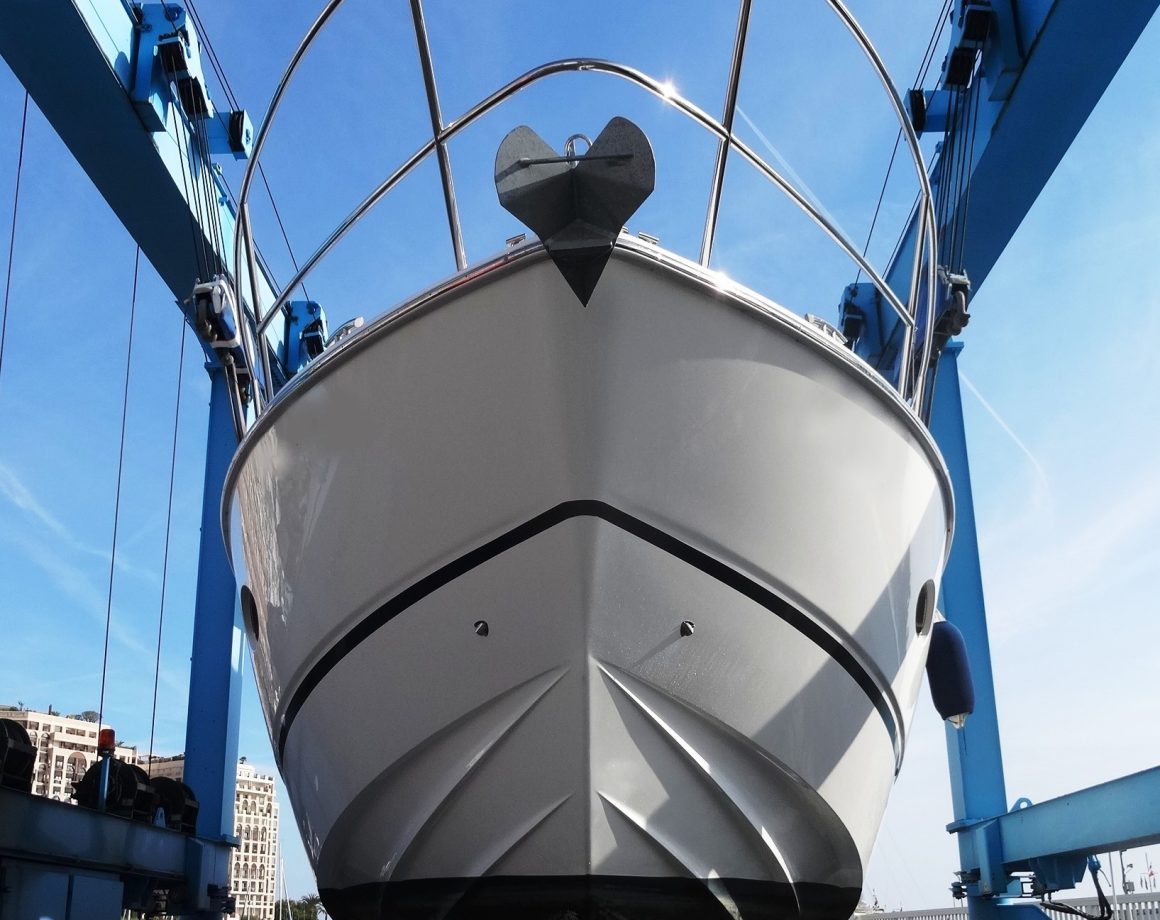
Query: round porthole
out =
(924, 609)
(250, 612)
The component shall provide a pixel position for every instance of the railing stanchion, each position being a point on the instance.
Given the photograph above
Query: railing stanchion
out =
(725, 142)
(442, 133)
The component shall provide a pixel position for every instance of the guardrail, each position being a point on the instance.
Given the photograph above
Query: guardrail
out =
(1143, 905)
(912, 367)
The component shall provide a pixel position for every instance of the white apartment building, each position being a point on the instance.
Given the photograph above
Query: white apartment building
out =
(66, 746)
(252, 869)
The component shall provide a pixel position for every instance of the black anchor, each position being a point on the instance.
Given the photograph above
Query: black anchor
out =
(576, 205)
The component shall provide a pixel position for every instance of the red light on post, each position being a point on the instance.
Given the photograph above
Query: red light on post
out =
(106, 741)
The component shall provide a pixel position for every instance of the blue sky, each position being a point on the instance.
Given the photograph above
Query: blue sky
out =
(1060, 360)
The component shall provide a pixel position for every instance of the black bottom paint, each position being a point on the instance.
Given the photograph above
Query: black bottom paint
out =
(586, 898)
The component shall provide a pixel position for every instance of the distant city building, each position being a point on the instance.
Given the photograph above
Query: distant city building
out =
(252, 870)
(66, 746)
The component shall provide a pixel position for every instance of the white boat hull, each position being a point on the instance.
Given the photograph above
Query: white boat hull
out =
(592, 484)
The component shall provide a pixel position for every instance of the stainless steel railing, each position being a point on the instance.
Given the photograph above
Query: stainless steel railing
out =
(923, 280)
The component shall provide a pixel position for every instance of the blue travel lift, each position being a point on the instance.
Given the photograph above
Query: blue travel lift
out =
(1041, 70)
(123, 86)
(131, 75)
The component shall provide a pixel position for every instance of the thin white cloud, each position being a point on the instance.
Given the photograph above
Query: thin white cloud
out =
(75, 585)
(16, 493)
(1036, 466)
(13, 489)
(1057, 560)
(788, 172)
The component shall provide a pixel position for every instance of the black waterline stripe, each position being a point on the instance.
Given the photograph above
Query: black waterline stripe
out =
(714, 568)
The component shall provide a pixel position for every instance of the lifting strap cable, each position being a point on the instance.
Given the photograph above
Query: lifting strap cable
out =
(168, 525)
(970, 175)
(962, 135)
(212, 54)
(878, 207)
(953, 175)
(946, 176)
(963, 156)
(211, 218)
(962, 159)
(224, 82)
(12, 235)
(117, 499)
(212, 215)
(182, 149)
(923, 68)
(215, 197)
(189, 182)
(282, 227)
(211, 193)
(197, 180)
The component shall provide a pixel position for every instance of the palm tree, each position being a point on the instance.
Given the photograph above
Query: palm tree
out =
(311, 904)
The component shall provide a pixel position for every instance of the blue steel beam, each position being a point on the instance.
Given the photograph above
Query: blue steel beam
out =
(1073, 49)
(47, 831)
(215, 680)
(978, 790)
(51, 851)
(78, 59)
(1050, 838)
(80, 62)
(1055, 839)
(1116, 815)
(1045, 66)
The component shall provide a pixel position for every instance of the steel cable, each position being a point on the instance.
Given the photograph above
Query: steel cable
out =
(185, 187)
(282, 227)
(227, 89)
(12, 234)
(919, 77)
(209, 191)
(189, 186)
(168, 527)
(967, 195)
(117, 497)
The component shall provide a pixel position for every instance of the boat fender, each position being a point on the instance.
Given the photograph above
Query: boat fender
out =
(949, 672)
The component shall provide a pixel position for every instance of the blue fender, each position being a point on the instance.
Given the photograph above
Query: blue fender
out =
(949, 672)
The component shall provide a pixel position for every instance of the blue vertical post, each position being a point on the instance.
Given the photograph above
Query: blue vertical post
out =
(975, 758)
(215, 680)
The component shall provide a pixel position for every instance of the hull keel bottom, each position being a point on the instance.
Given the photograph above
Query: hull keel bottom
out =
(589, 898)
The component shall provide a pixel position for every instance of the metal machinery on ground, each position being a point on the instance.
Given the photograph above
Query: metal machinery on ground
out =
(1008, 103)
